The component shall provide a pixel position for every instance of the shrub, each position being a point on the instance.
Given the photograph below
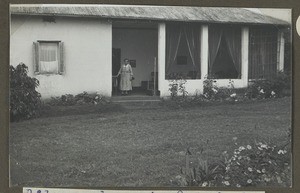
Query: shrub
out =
(212, 92)
(24, 99)
(79, 99)
(259, 164)
(177, 88)
(256, 164)
(270, 88)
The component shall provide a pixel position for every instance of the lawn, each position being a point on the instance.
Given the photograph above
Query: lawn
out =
(135, 147)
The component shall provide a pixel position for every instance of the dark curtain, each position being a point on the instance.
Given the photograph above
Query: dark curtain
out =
(214, 40)
(232, 36)
(174, 33)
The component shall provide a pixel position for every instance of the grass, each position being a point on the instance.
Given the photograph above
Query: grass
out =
(87, 146)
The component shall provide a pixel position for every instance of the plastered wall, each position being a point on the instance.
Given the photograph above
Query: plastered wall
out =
(87, 52)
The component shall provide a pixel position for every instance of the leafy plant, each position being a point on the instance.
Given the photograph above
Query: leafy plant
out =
(212, 92)
(259, 164)
(79, 99)
(255, 164)
(277, 86)
(204, 173)
(177, 88)
(25, 101)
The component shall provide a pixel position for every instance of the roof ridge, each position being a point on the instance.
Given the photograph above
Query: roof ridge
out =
(149, 12)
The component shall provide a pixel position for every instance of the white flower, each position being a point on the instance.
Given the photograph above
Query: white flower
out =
(262, 91)
(281, 151)
(234, 138)
(242, 148)
(258, 171)
(236, 152)
(263, 170)
(226, 183)
(215, 90)
(264, 146)
(249, 147)
(273, 93)
(233, 95)
(238, 185)
(204, 184)
(279, 179)
(249, 181)
(267, 179)
(250, 169)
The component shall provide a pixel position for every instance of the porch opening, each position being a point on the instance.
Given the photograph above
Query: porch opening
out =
(138, 42)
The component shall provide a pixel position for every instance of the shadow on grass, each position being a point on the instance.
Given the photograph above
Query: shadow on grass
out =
(59, 111)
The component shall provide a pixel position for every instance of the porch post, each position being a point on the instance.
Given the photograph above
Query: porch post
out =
(280, 52)
(204, 51)
(245, 55)
(161, 61)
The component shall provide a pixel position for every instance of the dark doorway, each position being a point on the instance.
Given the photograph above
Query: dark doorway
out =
(116, 60)
(116, 64)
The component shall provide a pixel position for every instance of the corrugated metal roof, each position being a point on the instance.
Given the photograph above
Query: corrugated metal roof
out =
(165, 13)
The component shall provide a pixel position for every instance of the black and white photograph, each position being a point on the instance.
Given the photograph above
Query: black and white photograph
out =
(137, 96)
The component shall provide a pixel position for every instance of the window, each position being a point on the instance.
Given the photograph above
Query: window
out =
(48, 56)
(224, 52)
(263, 52)
(183, 51)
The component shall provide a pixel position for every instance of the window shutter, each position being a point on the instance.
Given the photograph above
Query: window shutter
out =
(61, 67)
(36, 60)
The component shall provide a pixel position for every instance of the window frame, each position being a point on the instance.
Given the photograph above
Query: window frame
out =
(169, 75)
(223, 28)
(60, 57)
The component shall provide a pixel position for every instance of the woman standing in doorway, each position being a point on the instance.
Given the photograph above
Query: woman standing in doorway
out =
(126, 77)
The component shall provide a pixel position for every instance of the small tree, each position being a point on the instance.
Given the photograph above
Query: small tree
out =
(25, 101)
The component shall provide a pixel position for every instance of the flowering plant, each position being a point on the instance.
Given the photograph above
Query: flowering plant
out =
(257, 165)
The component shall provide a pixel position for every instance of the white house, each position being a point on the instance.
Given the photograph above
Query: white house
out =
(76, 48)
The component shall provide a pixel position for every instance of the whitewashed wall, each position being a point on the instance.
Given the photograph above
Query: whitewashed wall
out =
(88, 53)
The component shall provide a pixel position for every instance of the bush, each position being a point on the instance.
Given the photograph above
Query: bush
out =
(177, 88)
(259, 164)
(25, 101)
(79, 99)
(277, 86)
(214, 93)
(256, 164)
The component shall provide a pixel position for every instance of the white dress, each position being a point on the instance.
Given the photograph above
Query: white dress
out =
(126, 75)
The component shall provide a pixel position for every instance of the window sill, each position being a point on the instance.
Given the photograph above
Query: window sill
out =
(47, 74)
